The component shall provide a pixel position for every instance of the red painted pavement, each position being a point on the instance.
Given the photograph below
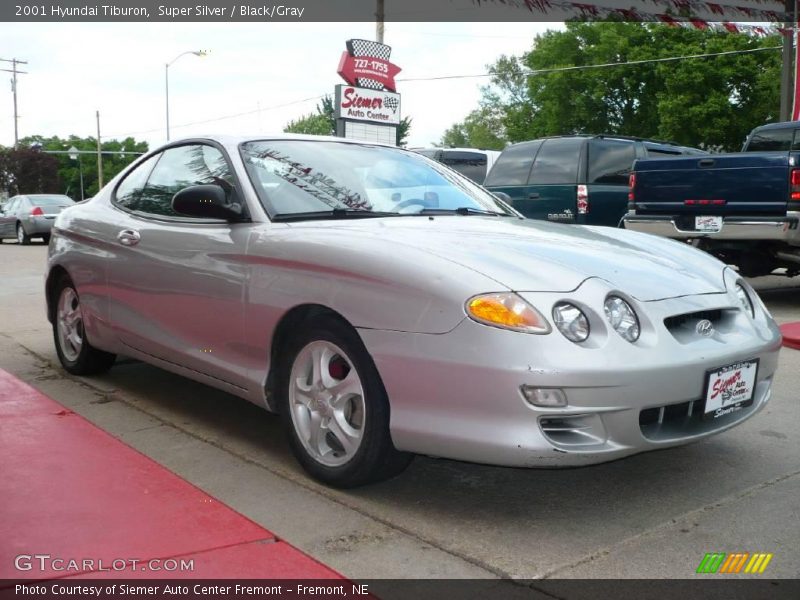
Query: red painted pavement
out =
(791, 335)
(70, 490)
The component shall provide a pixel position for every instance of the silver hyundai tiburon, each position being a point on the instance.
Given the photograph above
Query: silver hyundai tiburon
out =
(384, 305)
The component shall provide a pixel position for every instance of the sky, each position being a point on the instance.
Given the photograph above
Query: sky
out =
(118, 69)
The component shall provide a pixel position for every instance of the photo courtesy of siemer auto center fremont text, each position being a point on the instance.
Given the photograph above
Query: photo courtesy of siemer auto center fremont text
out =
(400, 299)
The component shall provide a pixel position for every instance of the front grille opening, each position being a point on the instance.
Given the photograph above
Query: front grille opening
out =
(573, 430)
(715, 316)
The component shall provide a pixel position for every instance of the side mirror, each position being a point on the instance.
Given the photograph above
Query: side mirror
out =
(503, 196)
(206, 201)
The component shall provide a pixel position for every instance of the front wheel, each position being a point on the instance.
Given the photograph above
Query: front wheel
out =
(74, 351)
(335, 409)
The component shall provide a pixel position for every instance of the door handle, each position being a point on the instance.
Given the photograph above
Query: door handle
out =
(706, 162)
(533, 196)
(128, 237)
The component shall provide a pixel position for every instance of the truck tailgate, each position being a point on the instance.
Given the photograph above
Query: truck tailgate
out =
(750, 183)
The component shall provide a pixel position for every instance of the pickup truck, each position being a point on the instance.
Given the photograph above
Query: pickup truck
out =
(579, 179)
(744, 208)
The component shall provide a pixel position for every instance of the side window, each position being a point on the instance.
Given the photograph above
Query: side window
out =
(179, 168)
(610, 161)
(796, 142)
(659, 153)
(557, 161)
(471, 164)
(129, 190)
(771, 140)
(513, 165)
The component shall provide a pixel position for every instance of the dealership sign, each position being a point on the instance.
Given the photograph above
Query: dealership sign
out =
(366, 64)
(363, 104)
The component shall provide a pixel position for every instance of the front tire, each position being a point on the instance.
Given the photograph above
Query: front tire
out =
(23, 238)
(75, 353)
(334, 407)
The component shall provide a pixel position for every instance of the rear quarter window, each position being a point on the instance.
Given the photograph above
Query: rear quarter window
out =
(557, 161)
(610, 161)
(513, 165)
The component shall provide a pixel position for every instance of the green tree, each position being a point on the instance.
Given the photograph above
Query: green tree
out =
(710, 101)
(323, 122)
(28, 171)
(69, 169)
(482, 128)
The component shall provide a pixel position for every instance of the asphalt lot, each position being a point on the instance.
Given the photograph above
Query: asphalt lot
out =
(652, 515)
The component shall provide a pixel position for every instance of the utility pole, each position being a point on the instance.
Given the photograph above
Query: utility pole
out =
(787, 89)
(379, 16)
(14, 72)
(99, 156)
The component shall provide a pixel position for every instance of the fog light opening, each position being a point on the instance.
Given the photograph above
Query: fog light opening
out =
(544, 397)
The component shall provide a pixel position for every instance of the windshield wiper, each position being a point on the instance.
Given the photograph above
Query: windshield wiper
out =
(335, 213)
(461, 210)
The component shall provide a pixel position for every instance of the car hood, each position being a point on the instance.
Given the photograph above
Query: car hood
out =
(530, 256)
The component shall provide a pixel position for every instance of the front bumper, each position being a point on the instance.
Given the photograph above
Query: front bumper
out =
(457, 395)
(780, 229)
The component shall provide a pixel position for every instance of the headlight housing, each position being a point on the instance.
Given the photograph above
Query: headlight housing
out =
(507, 311)
(571, 322)
(745, 300)
(622, 318)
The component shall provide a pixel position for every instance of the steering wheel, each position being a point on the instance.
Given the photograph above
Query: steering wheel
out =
(410, 202)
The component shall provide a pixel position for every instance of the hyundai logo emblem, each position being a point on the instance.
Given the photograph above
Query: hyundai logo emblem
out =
(705, 328)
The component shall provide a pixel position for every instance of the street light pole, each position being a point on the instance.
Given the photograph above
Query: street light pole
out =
(74, 154)
(166, 78)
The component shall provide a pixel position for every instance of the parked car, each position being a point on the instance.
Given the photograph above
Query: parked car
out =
(472, 162)
(385, 306)
(579, 179)
(30, 216)
(742, 207)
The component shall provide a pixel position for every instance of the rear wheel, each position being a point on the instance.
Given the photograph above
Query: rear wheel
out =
(46, 238)
(74, 351)
(23, 238)
(334, 407)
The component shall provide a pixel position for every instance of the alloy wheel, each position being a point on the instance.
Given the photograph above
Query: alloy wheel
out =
(70, 324)
(326, 400)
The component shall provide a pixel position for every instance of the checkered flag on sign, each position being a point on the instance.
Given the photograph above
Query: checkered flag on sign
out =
(391, 102)
(369, 48)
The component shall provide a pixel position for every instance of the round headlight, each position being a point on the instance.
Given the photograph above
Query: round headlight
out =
(745, 301)
(571, 322)
(622, 318)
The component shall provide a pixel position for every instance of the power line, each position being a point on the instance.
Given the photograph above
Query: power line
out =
(222, 118)
(583, 67)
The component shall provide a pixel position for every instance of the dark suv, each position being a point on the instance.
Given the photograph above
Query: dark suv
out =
(574, 179)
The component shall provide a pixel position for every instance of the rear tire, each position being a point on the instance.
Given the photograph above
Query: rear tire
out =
(334, 407)
(75, 353)
(46, 238)
(23, 238)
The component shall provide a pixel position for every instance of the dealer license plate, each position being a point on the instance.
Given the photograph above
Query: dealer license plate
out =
(713, 224)
(729, 389)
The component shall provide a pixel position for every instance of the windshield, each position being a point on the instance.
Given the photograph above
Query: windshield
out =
(296, 177)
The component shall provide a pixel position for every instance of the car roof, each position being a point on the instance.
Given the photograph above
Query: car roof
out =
(234, 140)
(781, 125)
